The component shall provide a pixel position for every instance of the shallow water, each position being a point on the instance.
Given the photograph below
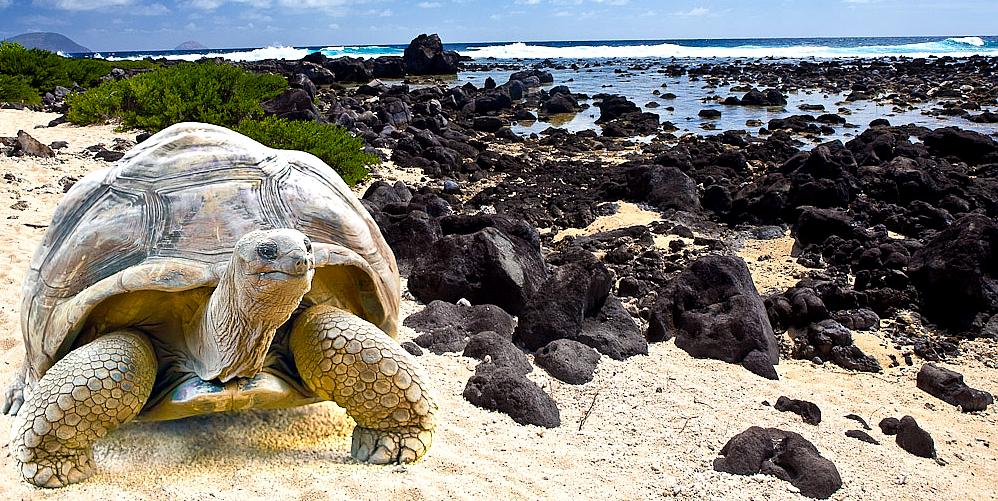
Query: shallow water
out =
(638, 87)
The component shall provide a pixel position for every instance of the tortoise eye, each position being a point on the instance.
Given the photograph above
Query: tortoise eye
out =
(308, 244)
(267, 250)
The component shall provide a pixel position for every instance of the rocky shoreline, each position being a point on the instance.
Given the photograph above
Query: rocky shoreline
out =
(574, 251)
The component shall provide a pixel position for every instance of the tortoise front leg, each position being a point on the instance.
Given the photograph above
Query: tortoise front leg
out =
(348, 360)
(91, 391)
(14, 397)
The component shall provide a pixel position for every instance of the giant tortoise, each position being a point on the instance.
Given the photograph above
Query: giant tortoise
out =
(205, 272)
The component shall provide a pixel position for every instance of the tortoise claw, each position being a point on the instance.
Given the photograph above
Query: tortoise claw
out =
(56, 471)
(14, 397)
(398, 446)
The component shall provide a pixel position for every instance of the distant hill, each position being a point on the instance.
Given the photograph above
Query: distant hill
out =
(190, 45)
(48, 41)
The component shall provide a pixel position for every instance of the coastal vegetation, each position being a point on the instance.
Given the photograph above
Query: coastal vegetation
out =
(334, 145)
(209, 92)
(18, 89)
(43, 71)
(223, 95)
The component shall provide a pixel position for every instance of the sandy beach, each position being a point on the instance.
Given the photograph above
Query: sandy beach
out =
(645, 428)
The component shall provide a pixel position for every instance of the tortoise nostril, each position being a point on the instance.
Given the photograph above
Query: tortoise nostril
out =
(301, 264)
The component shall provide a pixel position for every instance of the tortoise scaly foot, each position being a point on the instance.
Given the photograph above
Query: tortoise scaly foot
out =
(348, 360)
(91, 391)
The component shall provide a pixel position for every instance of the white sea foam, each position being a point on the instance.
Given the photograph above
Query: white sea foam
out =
(289, 53)
(970, 46)
(957, 46)
(975, 41)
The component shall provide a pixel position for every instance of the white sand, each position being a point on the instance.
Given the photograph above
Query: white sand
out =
(656, 425)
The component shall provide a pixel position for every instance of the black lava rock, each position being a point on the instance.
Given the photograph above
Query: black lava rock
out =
(505, 390)
(914, 439)
(860, 420)
(956, 272)
(292, 104)
(889, 426)
(500, 349)
(969, 146)
(412, 348)
(576, 289)
(710, 114)
(829, 341)
(861, 319)
(489, 266)
(815, 225)
(446, 327)
(808, 411)
(487, 124)
(613, 332)
(782, 454)
(862, 435)
(948, 386)
(769, 97)
(425, 55)
(569, 361)
(663, 187)
(714, 311)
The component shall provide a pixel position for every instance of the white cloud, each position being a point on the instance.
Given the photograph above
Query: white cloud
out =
(81, 4)
(205, 4)
(156, 9)
(694, 12)
(4, 4)
(572, 2)
(39, 20)
(379, 13)
(428, 5)
(313, 4)
(576, 14)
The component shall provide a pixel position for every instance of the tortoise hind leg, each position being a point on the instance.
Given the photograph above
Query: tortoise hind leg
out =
(91, 391)
(346, 359)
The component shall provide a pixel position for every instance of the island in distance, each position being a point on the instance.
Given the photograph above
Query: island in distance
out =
(54, 42)
(190, 45)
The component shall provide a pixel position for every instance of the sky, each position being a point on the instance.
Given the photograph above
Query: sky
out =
(104, 25)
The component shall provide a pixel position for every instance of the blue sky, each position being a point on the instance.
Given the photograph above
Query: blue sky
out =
(137, 25)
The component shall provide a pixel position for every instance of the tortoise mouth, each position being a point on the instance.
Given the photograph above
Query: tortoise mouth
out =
(282, 275)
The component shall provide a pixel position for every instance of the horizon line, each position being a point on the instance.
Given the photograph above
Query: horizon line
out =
(507, 42)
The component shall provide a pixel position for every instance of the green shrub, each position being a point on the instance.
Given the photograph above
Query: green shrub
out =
(332, 144)
(43, 70)
(97, 105)
(208, 92)
(85, 72)
(17, 90)
(139, 64)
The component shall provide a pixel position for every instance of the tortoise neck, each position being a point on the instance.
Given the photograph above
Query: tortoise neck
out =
(237, 324)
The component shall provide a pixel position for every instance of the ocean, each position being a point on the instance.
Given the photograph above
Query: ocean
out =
(957, 46)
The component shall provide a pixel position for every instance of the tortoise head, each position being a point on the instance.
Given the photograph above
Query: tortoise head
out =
(274, 262)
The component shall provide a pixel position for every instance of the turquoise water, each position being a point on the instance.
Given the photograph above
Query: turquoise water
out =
(742, 48)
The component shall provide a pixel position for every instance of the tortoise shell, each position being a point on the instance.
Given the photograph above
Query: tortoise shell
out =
(166, 218)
